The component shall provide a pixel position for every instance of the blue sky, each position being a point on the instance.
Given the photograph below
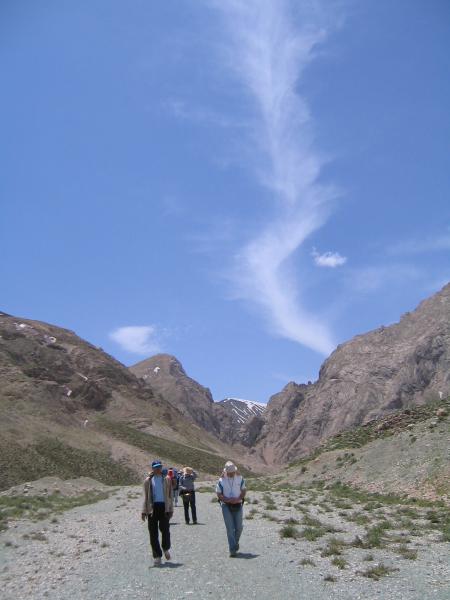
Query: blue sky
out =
(243, 184)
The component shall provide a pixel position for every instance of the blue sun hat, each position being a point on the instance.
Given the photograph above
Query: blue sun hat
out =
(156, 464)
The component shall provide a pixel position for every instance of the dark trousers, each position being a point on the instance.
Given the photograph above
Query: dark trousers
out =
(189, 499)
(159, 519)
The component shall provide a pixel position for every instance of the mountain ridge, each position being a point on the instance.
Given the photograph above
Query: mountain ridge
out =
(386, 369)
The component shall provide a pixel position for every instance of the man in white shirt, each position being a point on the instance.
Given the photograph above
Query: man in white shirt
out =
(231, 490)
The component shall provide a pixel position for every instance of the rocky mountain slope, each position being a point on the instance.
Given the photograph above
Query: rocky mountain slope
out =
(165, 374)
(404, 452)
(391, 368)
(67, 408)
(228, 419)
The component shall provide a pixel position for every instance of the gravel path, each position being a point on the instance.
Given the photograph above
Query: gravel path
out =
(101, 552)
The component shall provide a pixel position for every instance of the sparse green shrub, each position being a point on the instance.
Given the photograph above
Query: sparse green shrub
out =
(334, 547)
(358, 517)
(39, 536)
(289, 531)
(339, 562)
(377, 572)
(406, 552)
(307, 561)
(311, 521)
(374, 537)
(312, 533)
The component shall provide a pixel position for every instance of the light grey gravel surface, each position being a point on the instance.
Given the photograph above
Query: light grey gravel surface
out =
(101, 552)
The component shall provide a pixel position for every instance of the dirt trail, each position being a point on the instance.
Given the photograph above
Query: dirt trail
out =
(101, 552)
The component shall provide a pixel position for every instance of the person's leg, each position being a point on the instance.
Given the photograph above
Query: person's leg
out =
(175, 497)
(229, 524)
(238, 525)
(193, 507)
(186, 507)
(164, 528)
(153, 530)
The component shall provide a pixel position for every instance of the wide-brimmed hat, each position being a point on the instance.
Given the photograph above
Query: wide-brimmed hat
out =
(230, 467)
(187, 469)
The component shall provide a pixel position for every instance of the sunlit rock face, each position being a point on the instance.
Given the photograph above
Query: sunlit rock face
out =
(388, 369)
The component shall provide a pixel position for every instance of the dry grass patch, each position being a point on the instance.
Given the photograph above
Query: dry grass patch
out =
(377, 572)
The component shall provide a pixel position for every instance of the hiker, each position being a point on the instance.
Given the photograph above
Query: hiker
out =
(158, 508)
(230, 491)
(173, 476)
(178, 475)
(187, 493)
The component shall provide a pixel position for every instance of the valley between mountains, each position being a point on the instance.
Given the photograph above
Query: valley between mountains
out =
(69, 409)
(348, 476)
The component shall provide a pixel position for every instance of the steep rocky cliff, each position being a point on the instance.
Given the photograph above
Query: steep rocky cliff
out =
(227, 419)
(165, 374)
(391, 368)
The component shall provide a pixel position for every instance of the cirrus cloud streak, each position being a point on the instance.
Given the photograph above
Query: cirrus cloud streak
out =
(269, 55)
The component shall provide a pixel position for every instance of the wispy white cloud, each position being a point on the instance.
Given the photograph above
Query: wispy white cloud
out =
(269, 55)
(137, 339)
(437, 243)
(212, 234)
(328, 259)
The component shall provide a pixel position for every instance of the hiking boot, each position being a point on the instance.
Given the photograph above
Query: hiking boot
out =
(167, 554)
(237, 547)
(157, 561)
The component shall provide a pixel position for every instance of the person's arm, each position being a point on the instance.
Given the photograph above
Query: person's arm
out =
(168, 495)
(219, 491)
(243, 489)
(144, 506)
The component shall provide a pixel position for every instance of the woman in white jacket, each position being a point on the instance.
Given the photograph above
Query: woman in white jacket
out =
(230, 491)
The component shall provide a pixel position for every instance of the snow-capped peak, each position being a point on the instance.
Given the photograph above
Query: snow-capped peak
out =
(243, 410)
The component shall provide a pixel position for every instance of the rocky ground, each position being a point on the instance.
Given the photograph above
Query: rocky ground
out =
(410, 457)
(308, 543)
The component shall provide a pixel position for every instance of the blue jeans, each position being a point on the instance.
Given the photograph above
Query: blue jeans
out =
(233, 524)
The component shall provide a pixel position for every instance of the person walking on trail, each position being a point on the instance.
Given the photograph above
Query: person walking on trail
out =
(230, 491)
(172, 475)
(158, 509)
(187, 493)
